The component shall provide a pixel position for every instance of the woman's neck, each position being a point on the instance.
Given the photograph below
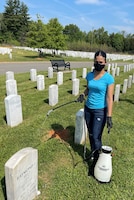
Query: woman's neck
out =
(98, 74)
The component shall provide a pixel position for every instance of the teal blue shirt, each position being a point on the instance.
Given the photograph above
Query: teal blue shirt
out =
(97, 93)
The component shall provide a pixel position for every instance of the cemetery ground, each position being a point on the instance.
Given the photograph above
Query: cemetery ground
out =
(22, 55)
(62, 173)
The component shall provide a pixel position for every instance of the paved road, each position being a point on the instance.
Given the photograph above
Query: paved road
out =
(22, 67)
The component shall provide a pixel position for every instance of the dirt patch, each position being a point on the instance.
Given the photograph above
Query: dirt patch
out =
(60, 134)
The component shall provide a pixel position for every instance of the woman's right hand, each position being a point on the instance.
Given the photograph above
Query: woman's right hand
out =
(81, 98)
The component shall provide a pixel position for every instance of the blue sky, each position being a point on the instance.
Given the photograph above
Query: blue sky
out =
(113, 15)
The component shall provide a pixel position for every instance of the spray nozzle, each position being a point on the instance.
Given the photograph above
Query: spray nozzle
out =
(48, 113)
(108, 130)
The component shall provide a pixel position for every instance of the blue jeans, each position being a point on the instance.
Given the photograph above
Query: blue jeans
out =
(95, 121)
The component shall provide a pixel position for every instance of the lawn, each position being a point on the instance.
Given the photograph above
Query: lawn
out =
(62, 173)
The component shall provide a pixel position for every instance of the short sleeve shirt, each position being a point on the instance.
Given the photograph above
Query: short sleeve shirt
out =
(98, 90)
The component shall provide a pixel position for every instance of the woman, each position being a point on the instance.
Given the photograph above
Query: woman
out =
(99, 102)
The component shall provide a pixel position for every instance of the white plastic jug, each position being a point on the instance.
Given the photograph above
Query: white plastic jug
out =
(103, 167)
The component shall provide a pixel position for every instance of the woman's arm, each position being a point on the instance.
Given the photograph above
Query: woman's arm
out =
(110, 93)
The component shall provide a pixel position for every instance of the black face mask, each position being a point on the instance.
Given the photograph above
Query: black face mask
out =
(98, 67)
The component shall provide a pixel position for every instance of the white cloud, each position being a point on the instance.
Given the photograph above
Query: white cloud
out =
(123, 17)
(97, 2)
(128, 21)
(127, 29)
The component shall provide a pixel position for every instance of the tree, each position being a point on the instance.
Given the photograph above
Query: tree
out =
(1, 21)
(117, 41)
(100, 36)
(37, 35)
(131, 40)
(15, 20)
(55, 34)
(73, 33)
(24, 23)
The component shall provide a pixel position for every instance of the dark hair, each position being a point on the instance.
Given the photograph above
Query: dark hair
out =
(100, 53)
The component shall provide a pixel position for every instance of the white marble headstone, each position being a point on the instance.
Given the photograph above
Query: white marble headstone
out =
(11, 87)
(10, 55)
(74, 74)
(113, 65)
(53, 94)
(9, 75)
(125, 84)
(40, 82)
(133, 78)
(75, 86)
(113, 72)
(33, 74)
(60, 78)
(92, 68)
(130, 81)
(84, 72)
(117, 93)
(125, 68)
(50, 72)
(80, 127)
(13, 109)
(109, 68)
(21, 175)
(117, 71)
(128, 68)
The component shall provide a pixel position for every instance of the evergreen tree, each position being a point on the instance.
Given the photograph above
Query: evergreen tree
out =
(15, 20)
(24, 23)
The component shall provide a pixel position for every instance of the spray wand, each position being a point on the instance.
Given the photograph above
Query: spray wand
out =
(48, 113)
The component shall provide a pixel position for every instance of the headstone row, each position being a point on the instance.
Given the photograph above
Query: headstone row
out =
(5, 50)
(53, 89)
(13, 105)
(115, 70)
(128, 67)
(126, 84)
(90, 55)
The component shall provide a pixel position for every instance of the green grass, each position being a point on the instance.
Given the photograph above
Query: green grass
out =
(62, 172)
